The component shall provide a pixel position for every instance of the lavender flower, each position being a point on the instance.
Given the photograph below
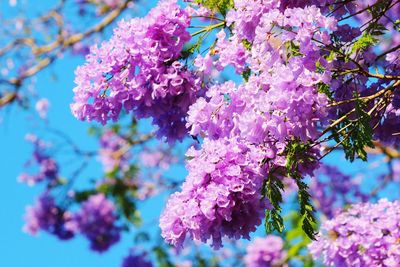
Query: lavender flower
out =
(265, 252)
(114, 152)
(45, 215)
(133, 260)
(222, 198)
(138, 70)
(331, 189)
(96, 220)
(48, 167)
(364, 235)
(259, 117)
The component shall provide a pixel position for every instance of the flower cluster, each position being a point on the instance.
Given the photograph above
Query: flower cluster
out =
(259, 107)
(364, 235)
(138, 70)
(230, 52)
(284, 57)
(390, 125)
(157, 158)
(48, 167)
(220, 198)
(114, 151)
(96, 220)
(337, 9)
(47, 216)
(155, 162)
(267, 251)
(133, 260)
(378, 56)
(332, 189)
(246, 16)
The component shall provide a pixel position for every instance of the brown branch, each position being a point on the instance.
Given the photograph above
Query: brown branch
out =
(358, 12)
(143, 139)
(30, 41)
(337, 145)
(75, 38)
(366, 98)
(382, 102)
(377, 75)
(20, 41)
(388, 51)
(388, 151)
(8, 98)
(337, 122)
(385, 181)
(60, 43)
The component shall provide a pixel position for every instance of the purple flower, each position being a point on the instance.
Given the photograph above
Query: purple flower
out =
(138, 70)
(364, 235)
(96, 220)
(331, 189)
(45, 215)
(220, 198)
(231, 52)
(265, 252)
(133, 260)
(247, 127)
(246, 16)
(114, 152)
(48, 167)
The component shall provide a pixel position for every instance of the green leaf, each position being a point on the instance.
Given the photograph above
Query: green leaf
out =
(141, 237)
(247, 44)
(222, 6)
(189, 49)
(397, 25)
(378, 9)
(162, 257)
(81, 196)
(292, 49)
(331, 56)
(376, 29)
(94, 131)
(116, 128)
(363, 42)
(272, 189)
(325, 89)
(296, 240)
(358, 135)
(306, 209)
(297, 154)
(246, 74)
